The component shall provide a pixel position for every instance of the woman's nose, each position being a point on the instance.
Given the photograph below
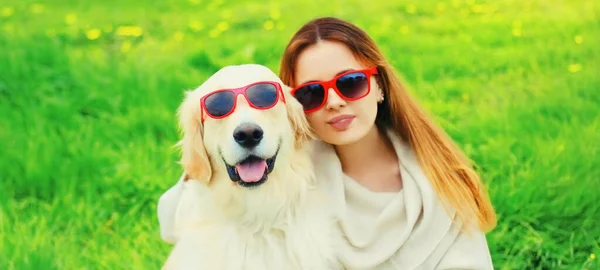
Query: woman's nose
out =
(334, 101)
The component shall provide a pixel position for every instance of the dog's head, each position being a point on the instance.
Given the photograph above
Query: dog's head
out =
(244, 145)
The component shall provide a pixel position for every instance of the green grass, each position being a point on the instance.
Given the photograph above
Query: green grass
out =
(88, 125)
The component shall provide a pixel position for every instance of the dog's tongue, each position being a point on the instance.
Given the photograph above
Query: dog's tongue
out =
(252, 171)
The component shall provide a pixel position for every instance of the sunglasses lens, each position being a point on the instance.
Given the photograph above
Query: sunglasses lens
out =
(220, 103)
(353, 85)
(262, 95)
(310, 96)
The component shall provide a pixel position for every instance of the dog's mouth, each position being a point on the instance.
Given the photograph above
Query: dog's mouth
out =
(253, 171)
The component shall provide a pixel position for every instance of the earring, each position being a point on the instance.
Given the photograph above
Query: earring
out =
(381, 98)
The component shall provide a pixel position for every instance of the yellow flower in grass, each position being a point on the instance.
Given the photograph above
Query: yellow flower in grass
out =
(268, 25)
(404, 29)
(37, 8)
(7, 12)
(130, 31)
(214, 33)
(517, 29)
(517, 32)
(440, 7)
(592, 256)
(219, 28)
(575, 68)
(93, 34)
(465, 97)
(126, 46)
(275, 14)
(578, 39)
(71, 19)
(178, 36)
(196, 26)
(478, 9)
(222, 26)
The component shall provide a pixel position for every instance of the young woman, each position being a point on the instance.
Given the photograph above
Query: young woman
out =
(405, 195)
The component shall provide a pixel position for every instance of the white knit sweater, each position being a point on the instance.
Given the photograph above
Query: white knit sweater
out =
(397, 230)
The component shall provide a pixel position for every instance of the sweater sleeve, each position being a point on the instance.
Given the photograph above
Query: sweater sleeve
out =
(469, 251)
(166, 210)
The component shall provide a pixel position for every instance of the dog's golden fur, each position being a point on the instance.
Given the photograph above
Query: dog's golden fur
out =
(281, 224)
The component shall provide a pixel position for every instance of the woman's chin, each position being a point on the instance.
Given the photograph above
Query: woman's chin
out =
(348, 136)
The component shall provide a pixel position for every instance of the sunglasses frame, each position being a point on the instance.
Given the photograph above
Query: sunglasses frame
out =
(241, 91)
(332, 84)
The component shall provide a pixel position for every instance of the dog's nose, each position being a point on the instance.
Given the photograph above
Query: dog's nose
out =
(248, 135)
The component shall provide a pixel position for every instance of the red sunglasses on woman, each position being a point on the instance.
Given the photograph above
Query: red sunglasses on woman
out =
(259, 95)
(351, 85)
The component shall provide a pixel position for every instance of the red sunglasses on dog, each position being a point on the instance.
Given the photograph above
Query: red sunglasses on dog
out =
(351, 85)
(259, 95)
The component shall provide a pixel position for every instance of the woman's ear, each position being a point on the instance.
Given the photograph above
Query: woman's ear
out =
(194, 158)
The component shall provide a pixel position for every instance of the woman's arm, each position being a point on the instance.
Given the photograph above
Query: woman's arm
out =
(167, 208)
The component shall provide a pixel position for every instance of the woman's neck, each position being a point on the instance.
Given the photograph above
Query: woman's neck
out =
(371, 152)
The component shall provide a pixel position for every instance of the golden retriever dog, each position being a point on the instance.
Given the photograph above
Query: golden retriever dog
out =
(250, 186)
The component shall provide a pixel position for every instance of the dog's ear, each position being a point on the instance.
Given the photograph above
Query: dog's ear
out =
(194, 158)
(296, 116)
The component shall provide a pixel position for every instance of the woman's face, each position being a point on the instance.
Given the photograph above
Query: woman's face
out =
(338, 121)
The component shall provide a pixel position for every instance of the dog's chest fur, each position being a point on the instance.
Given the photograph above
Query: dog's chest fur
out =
(305, 239)
(301, 246)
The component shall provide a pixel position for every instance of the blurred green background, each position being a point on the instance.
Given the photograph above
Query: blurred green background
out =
(89, 89)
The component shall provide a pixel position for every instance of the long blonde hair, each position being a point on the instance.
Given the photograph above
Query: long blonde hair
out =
(450, 172)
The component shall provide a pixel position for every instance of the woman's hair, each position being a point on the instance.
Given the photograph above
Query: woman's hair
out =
(449, 170)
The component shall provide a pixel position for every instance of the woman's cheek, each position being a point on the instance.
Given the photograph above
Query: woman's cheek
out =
(317, 123)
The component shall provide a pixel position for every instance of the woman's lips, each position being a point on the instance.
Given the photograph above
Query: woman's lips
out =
(341, 122)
